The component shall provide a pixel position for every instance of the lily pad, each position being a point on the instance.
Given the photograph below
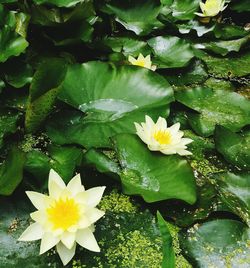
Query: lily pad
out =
(139, 17)
(234, 192)
(234, 147)
(171, 51)
(228, 67)
(59, 3)
(152, 175)
(43, 91)
(11, 171)
(218, 243)
(110, 101)
(185, 9)
(8, 123)
(228, 109)
(12, 43)
(224, 47)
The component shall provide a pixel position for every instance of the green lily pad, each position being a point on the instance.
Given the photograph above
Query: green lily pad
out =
(234, 192)
(234, 147)
(219, 243)
(110, 101)
(64, 160)
(11, 171)
(194, 25)
(221, 107)
(229, 31)
(228, 67)
(12, 42)
(139, 17)
(224, 47)
(171, 51)
(240, 6)
(8, 124)
(43, 91)
(59, 3)
(47, 16)
(152, 175)
(17, 73)
(127, 45)
(184, 9)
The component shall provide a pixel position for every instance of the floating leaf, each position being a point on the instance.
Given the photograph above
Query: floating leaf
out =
(185, 9)
(234, 147)
(234, 192)
(11, 171)
(139, 17)
(228, 109)
(110, 101)
(171, 51)
(228, 67)
(43, 91)
(8, 123)
(12, 43)
(152, 175)
(59, 3)
(218, 243)
(223, 47)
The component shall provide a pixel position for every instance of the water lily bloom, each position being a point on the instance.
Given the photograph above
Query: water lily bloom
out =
(159, 137)
(64, 217)
(143, 62)
(211, 8)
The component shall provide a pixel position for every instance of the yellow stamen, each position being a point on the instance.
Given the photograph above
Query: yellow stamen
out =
(140, 63)
(63, 213)
(163, 137)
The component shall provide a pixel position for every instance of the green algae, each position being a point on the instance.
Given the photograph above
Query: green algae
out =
(117, 203)
(135, 250)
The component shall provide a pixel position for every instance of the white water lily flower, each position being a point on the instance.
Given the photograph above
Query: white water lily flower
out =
(143, 62)
(211, 8)
(159, 137)
(64, 217)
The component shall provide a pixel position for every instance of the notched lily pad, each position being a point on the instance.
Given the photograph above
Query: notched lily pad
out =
(218, 243)
(228, 109)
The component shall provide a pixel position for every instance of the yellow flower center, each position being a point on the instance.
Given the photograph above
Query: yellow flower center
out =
(140, 63)
(163, 137)
(64, 213)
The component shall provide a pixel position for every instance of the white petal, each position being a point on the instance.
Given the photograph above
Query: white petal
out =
(202, 6)
(184, 152)
(39, 216)
(132, 59)
(68, 239)
(86, 239)
(56, 184)
(75, 185)
(153, 67)
(84, 222)
(48, 242)
(186, 141)
(200, 14)
(94, 214)
(174, 128)
(141, 57)
(65, 254)
(40, 201)
(149, 122)
(168, 151)
(92, 196)
(33, 232)
(161, 123)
